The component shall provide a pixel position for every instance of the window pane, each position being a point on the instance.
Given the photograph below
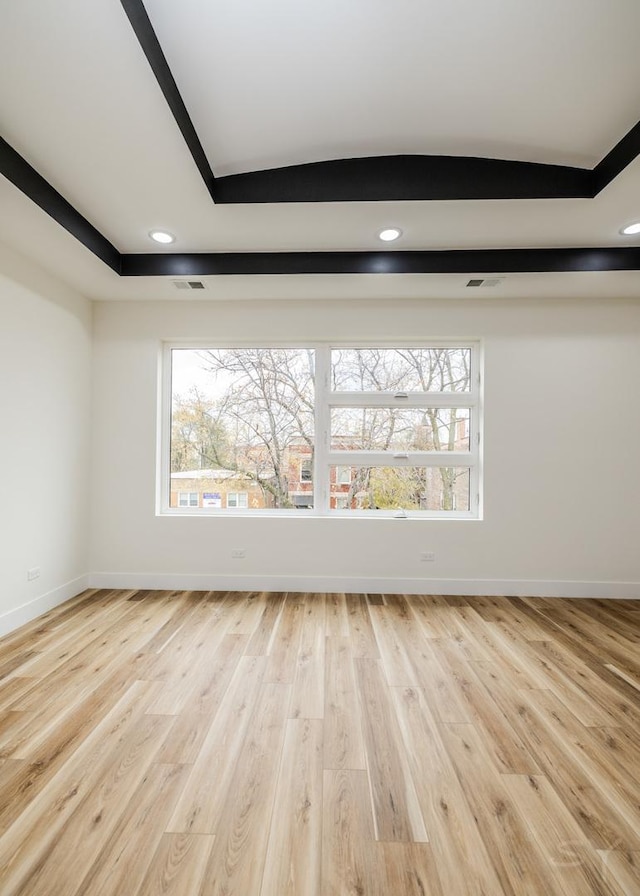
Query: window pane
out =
(237, 499)
(187, 499)
(302, 500)
(242, 421)
(401, 370)
(403, 488)
(400, 429)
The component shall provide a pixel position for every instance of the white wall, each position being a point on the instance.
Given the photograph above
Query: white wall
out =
(45, 369)
(562, 471)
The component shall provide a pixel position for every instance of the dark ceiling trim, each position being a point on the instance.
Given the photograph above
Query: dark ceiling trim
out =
(26, 178)
(622, 154)
(406, 178)
(458, 261)
(141, 24)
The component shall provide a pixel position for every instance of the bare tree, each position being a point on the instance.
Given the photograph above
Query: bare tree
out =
(198, 441)
(261, 406)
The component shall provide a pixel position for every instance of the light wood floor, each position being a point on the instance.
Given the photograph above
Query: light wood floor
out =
(209, 744)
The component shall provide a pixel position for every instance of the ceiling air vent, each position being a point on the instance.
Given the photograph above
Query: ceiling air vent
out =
(188, 284)
(487, 283)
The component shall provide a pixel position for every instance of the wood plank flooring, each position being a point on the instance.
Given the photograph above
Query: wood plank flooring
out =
(255, 744)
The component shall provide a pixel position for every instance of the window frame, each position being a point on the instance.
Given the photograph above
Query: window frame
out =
(324, 458)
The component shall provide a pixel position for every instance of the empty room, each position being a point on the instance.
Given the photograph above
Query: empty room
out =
(320, 353)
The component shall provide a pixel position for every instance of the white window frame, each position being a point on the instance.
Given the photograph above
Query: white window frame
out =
(324, 457)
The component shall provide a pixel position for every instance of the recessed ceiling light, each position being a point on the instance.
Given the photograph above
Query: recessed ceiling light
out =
(389, 234)
(162, 236)
(630, 229)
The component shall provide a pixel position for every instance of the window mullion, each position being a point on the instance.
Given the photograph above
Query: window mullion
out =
(413, 400)
(403, 458)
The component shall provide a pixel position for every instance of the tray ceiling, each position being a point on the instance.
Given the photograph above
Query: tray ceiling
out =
(275, 141)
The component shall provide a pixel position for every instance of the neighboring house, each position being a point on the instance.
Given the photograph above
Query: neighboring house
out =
(225, 489)
(229, 489)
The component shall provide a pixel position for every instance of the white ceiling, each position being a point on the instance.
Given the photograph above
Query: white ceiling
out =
(269, 85)
(290, 82)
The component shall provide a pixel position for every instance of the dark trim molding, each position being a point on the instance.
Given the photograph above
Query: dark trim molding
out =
(459, 261)
(406, 178)
(622, 154)
(26, 178)
(141, 24)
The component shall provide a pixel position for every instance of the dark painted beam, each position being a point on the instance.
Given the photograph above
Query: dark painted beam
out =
(26, 178)
(405, 178)
(622, 154)
(475, 261)
(141, 24)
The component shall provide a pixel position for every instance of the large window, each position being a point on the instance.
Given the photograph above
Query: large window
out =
(325, 429)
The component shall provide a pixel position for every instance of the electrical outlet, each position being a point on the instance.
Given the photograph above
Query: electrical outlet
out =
(33, 573)
(427, 556)
(238, 553)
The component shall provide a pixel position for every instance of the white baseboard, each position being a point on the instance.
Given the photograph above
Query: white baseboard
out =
(330, 584)
(13, 619)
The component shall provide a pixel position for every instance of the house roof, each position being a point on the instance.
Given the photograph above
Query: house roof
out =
(220, 474)
(275, 140)
(208, 474)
